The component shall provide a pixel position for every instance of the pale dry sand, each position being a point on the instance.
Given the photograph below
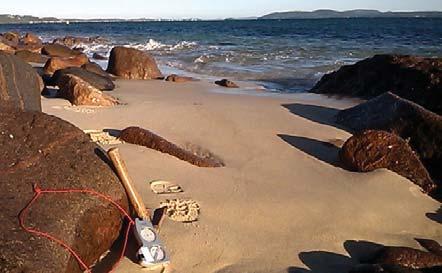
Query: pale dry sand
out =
(281, 203)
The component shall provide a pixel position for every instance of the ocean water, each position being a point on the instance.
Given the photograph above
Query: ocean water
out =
(283, 55)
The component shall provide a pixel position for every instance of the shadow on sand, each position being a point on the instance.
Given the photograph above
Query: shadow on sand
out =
(436, 216)
(329, 262)
(324, 151)
(320, 114)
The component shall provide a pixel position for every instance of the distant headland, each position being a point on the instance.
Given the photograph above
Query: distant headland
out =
(359, 13)
(317, 14)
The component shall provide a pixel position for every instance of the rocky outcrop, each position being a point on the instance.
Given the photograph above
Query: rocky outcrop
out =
(227, 83)
(31, 57)
(57, 63)
(179, 79)
(45, 150)
(371, 150)
(100, 82)
(139, 136)
(95, 68)
(420, 127)
(19, 85)
(80, 92)
(413, 78)
(130, 63)
(72, 41)
(57, 50)
(31, 39)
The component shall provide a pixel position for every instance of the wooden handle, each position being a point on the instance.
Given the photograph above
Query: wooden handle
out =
(134, 196)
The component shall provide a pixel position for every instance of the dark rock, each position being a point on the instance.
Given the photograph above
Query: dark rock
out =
(57, 50)
(388, 112)
(19, 85)
(45, 150)
(57, 63)
(80, 92)
(413, 78)
(96, 68)
(31, 57)
(100, 82)
(407, 257)
(179, 79)
(130, 63)
(139, 136)
(371, 150)
(227, 83)
(97, 56)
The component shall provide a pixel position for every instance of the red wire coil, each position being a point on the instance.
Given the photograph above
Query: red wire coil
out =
(38, 192)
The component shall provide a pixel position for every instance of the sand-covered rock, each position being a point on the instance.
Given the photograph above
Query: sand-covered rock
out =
(130, 63)
(179, 79)
(420, 127)
(57, 63)
(19, 85)
(100, 82)
(80, 92)
(57, 50)
(142, 137)
(413, 78)
(45, 150)
(226, 83)
(31, 57)
(371, 150)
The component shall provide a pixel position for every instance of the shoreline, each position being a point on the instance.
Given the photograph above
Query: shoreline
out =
(281, 188)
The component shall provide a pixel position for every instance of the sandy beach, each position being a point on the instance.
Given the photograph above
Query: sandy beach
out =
(282, 203)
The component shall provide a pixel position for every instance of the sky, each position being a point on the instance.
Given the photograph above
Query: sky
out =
(204, 9)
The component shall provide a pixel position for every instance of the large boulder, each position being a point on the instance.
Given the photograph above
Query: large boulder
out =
(413, 78)
(45, 150)
(57, 63)
(80, 92)
(371, 150)
(98, 81)
(57, 50)
(130, 63)
(420, 127)
(19, 85)
(31, 57)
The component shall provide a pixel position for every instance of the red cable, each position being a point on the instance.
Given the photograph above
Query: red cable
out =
(39, 192)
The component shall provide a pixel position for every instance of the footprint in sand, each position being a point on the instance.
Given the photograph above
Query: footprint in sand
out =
(179, 210)
(164, 187)
(101, 137)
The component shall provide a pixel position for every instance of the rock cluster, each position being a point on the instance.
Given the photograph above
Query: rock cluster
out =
(420, 127)
(413, 78)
